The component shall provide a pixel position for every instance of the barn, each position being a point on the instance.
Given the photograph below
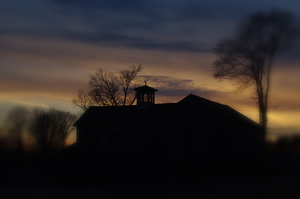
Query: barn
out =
(195, 128)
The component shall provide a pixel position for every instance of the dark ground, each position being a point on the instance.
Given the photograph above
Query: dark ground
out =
(250, 187)
(57, 175)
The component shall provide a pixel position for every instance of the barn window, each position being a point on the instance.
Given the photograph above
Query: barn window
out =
(145, 98)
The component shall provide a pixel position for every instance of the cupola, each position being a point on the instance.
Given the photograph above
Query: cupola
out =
(145, 96)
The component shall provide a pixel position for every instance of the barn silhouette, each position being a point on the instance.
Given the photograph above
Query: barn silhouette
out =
(192, 129)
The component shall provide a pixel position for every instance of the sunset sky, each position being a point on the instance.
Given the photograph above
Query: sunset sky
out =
(48, 49)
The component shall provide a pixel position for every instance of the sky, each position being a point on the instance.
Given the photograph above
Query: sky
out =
(48, 49)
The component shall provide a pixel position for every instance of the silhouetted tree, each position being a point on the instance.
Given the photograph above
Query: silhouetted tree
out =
(50, 128)
(65, 121)
(16, 120)
(248, 58)
(107, 89)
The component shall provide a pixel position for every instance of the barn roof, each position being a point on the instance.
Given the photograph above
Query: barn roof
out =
(225, 110)
(122, 115)
(113, 116)
(145, 87)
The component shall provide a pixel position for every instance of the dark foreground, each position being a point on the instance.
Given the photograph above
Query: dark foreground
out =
(58, 175)
(247, 187)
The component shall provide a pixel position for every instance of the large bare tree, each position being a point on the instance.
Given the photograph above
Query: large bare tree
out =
(50, 128)
(108, 89)
(64, 128)
(248, 58)
(16, 120)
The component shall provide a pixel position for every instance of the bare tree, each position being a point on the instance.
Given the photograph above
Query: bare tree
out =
(104, 88)
(16, 120)
(126, 77)
(65, 121)
(248, 58)
(51, 128)
(39, 128)
(107, 89)
(83, 99)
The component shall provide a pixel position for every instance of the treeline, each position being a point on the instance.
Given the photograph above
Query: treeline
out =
(286, 144)
(47, 128)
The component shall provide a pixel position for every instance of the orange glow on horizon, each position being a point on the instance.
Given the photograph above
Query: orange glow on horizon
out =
(59, 77)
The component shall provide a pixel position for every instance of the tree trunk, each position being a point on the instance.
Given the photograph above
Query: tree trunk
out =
(264, 126)
(262, 114)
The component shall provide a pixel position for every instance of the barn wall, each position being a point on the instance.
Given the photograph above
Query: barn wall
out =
(245, 138)
(119, 142)
(192, 131)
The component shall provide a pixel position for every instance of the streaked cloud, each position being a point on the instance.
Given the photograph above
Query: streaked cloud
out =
(175, 88)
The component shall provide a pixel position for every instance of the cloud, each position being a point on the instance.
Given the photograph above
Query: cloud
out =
(109, 40)
(178, 88)
(29, 78)
(152, 25)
